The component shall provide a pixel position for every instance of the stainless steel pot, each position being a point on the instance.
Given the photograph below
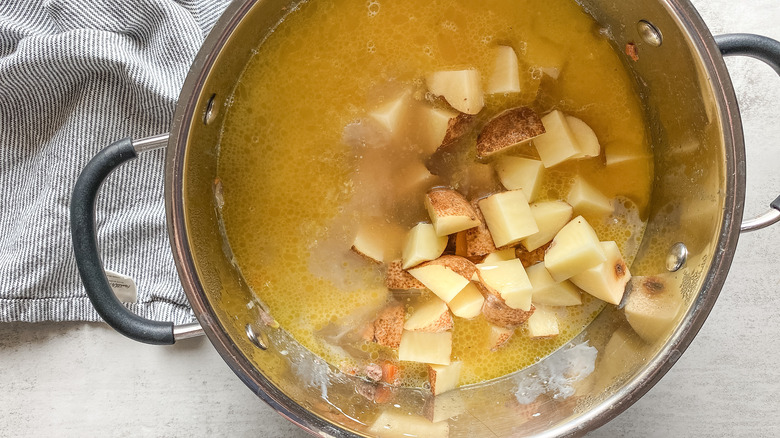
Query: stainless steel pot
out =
(692, 233)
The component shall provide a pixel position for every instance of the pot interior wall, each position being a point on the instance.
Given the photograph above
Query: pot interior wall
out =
(693, 202)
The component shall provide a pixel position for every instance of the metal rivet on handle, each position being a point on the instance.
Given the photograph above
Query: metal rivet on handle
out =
(211, 110)
(649, 33)
(678, 255)
(259, 343)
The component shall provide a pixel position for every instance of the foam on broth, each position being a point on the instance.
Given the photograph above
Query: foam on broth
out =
(287, 175)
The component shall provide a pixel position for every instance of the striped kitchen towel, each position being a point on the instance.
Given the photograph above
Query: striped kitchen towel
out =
(76, 75)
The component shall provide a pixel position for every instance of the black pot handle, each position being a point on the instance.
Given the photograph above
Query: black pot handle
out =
(766, 50)
(85, 247)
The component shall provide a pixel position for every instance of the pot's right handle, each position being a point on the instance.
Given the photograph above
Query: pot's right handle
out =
(85, 247)
(766, 50)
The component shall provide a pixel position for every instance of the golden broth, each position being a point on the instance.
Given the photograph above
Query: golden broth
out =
(288, 177)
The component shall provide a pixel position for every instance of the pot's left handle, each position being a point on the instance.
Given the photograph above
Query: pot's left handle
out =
(85, 247)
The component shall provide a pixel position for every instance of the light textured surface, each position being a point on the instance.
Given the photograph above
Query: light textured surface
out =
(76, 379)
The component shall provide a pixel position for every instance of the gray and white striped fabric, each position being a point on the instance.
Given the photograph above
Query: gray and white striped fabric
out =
(76, 75)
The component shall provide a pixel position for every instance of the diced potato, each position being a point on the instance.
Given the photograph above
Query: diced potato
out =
(496, 312)
(652, 307)
(510, 128)
(479, 241)
(444, 406)
(397, 278)
(432, 126)
(574, 249)
(393, 423)
(506, 72)
(425, 347)
(449, 211)
(587, 201)
(547, 291)
(500, 255)
(558, 143)
(445, 276)
(550, 217)
(508, 217)
(388, 325)
(542, 324)
(586, 138)
(369, 243)
(422, 245)
(499, 336)
(432, 316)
(509, 280)
(606, 281)
(468, 302)
(521, 173)
(457, 128)
(393, 115)
(413, 178)
(444, 378)
(462, 89)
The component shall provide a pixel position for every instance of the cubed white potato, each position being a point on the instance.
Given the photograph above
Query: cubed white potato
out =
(509, 280)
(479, 241)
(444, 378)
(388, 326)
(607, 280)
(445, 276)
(449, 211)
(422, 245)
(588, 201)
(558, 143)
(547, 291)
(508, 217)
(542, 324)
(587, 140)
(574, 249)
(499, 336)
(430, 316)
(550, 217)
(412, 179)
(652, 307)
(462, 89)
(500, 255)
(467, 303)
(505, 77)
(426, 347)
(432, 126)
(512, 127)
(369, 243)
(521, 173)
(444, 406)
(393, 115)
(392, 423)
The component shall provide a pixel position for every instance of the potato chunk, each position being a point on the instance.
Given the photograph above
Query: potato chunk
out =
(508, 280)
(506, 72)
(449, 211)
(520, 173)
(462, 89)
(607, 280)
(422, 245)
(586, 138)
(445, 276)
(508, 217)
(574, 249)
(425, 347)
(542, 324)
(550, 217)
(558, 143)
(468, 302)
(432, 316)
(510, 128)
(444, 378)
(587, 201)
(547, 291)
(652, 307)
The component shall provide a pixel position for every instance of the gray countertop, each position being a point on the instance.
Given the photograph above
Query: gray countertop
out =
(76, 379)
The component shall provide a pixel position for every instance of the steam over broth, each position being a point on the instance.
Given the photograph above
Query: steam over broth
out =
(294, 189)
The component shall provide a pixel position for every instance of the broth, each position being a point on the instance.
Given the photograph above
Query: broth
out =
(292, 198)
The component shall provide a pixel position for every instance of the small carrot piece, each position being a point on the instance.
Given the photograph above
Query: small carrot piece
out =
(389, 372)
